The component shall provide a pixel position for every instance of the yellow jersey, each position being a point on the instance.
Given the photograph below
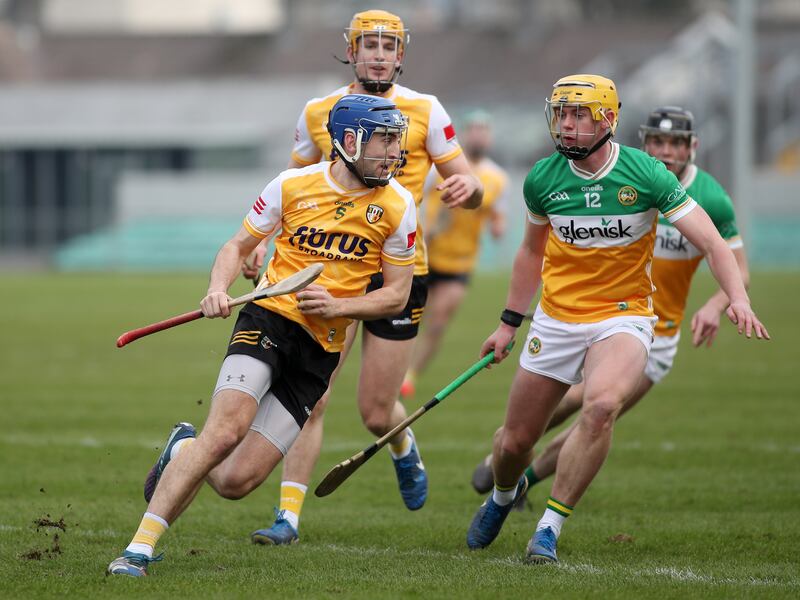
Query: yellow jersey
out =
(431, 140)
(350, 231)
(454, 235)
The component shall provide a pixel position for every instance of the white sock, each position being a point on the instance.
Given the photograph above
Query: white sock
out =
(140, 549)
(551, 519)
(503, 497)
(177, 447)
(293, 519)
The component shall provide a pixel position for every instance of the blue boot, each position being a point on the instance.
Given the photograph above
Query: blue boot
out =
(542, 547)
(489, 519)
(411, 477)
(281, 532)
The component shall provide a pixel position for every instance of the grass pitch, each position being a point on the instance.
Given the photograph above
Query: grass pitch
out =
(699, 496)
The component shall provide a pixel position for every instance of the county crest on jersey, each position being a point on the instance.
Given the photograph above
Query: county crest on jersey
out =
(352, 232)
(603, 225)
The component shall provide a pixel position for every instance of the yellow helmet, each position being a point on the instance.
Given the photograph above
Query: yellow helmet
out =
(598, 94)
(376, 21)
(380, 23)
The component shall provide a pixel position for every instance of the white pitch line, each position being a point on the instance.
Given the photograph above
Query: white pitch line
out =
(673, 573)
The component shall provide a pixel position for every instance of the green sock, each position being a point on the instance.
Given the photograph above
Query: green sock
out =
(531, 476)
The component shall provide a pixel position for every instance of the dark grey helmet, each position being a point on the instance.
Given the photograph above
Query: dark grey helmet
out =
(668, 120)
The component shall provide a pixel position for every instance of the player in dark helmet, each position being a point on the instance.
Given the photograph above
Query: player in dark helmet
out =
(669, 135)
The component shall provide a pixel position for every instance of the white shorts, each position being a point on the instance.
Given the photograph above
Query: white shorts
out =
(662, 355)
(557, 349)
(253, 377)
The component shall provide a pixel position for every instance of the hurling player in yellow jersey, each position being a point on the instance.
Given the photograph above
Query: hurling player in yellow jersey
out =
(284, 349)
(453, 238)
(376, 44)
(592, 209)
(669, 136)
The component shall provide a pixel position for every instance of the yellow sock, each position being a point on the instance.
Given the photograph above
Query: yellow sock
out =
(292, 497)
(150, 530)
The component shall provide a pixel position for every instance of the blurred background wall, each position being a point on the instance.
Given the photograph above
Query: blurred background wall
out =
(135, 134)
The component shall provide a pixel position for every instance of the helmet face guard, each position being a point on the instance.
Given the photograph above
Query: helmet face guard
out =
(577, 150)
(673, 122)
(594, 93)
(382, 25)
(368, 118)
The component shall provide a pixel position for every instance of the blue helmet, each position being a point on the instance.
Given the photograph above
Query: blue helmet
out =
(363, 115)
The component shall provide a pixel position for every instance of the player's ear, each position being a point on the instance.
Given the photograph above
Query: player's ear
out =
(610, 115)
(350, 142)
(351, 56)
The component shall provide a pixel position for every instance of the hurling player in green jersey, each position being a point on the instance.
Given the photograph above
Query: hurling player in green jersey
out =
(592, 208)
(669, 136)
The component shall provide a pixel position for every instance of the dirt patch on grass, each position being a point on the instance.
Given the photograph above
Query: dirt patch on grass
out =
(51, 552)
(46, 521)
(55, 544)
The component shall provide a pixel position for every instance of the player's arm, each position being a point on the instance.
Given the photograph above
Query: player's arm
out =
(251, 266)
(526, 275)
(461, 188)
(305, 151)
(705, 322)
(226, 268)
(386, 301)
(700, 231)
(497, 222)
(263, 221)
(397, 265)
(497, 218)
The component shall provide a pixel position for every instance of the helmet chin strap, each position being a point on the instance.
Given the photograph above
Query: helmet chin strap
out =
(377, 86)
(581, 152)
(350, 162)
(373, 86)
(370, 182)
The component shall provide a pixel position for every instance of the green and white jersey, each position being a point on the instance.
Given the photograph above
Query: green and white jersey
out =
(599, 253)
(676, 259)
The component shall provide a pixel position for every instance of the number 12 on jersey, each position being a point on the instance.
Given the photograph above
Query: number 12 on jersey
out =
(592, 200)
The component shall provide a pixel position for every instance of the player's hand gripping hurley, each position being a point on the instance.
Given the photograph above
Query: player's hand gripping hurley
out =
(293, 283)
(338, 474)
